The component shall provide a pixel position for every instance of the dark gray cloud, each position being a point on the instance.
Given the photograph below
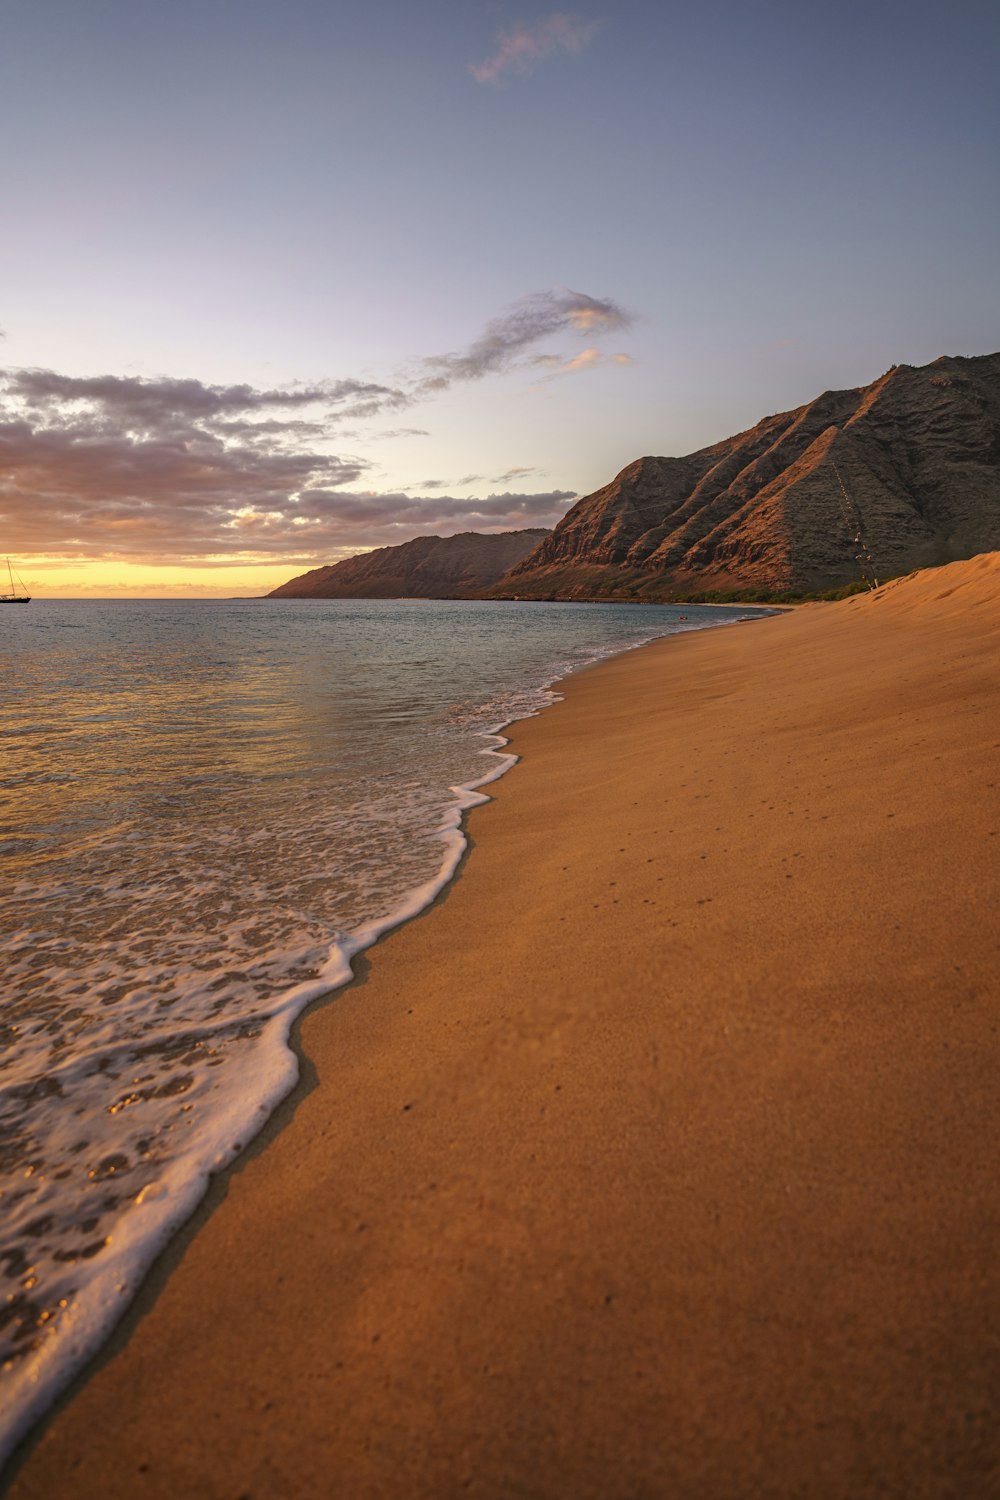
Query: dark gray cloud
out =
(272, 433)
(508, 338)
(154, 404)
(157, 469)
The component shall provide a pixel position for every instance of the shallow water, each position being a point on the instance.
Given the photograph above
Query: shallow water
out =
(205, 808)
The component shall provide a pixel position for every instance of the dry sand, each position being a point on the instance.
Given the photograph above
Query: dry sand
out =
(658, 1159)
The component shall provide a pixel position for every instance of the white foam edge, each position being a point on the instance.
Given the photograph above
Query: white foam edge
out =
(269, 1073)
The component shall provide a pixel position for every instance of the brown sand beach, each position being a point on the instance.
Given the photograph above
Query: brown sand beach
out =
(658, 1159)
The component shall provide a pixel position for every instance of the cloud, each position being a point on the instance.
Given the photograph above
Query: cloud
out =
(136, 468)
(360, 520)
(509, 474)
(162, 472)
(583, 361)
(587, 359)
(523, 47)
(507, 339)
(148, 405)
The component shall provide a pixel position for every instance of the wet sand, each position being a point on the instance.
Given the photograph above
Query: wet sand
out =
(659, 1158)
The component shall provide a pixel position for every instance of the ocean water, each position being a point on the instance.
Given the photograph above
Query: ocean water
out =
(205, 810)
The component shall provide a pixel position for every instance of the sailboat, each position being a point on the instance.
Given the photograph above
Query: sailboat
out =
(14, 597)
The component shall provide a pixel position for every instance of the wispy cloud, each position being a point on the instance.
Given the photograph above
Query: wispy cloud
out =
(523, 47)
(587, 359)
(512, 474)
(507, 339)
(509, 476)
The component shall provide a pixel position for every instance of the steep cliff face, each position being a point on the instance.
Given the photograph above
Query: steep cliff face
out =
(893, 476)
(430, 567)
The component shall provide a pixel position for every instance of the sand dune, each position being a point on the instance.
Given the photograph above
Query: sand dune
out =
(658, 1159)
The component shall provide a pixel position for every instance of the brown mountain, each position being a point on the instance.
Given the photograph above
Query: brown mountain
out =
(430, 567)
(897, 475)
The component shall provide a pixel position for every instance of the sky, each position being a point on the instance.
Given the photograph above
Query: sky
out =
(285, 280)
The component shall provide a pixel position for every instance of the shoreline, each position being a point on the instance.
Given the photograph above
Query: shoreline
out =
(475, 1241)
(46, 1377)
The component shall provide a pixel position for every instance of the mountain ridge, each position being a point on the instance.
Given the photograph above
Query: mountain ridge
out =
(872, 481)
(428, 567)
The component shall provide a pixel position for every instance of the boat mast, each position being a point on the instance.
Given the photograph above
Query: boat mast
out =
(13, 597)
